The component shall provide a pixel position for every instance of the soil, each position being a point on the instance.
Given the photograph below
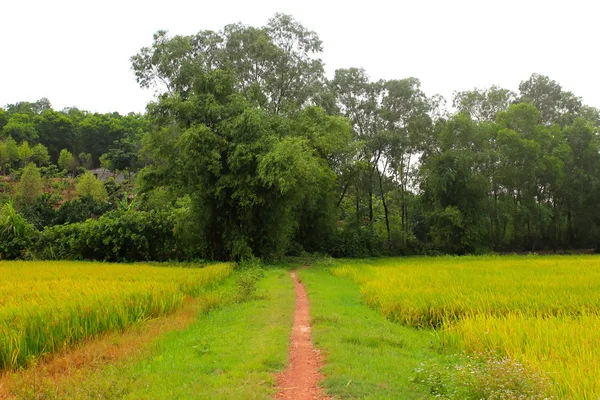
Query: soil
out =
(300, 379)
(72, 366)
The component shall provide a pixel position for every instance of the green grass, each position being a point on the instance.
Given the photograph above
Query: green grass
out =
(539, 312)
(230, 353)
(366, 356)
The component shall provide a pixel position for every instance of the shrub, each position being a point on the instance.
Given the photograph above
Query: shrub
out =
(89, 186)
(16, 234)
(484, 376)
(79, 210)
(354, 241)
(30, 186)
(115, 236)
(41, 213)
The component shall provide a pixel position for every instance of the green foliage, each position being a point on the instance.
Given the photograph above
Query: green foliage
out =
(65, 160)
(257, 153)
(89, 186)
(247, 172)
(10, 153)
(30, 186)
(79, 210)
(484, 376)
(115, 236)
(42, 212)
(121, 157)
(25, 153)
(85, 159)
(353, 241)
(21, 127)
(40, 155)
(16, 234)
(247, 281)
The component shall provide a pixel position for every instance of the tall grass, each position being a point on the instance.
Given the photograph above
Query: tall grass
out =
(46, 306)
(541, 311)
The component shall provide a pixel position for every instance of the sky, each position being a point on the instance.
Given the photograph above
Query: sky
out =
(76, 53)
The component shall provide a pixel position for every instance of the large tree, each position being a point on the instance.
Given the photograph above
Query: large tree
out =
(247, 171)
(275, 66)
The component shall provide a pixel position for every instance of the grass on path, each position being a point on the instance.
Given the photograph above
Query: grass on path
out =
(230, 353)
(366, 356)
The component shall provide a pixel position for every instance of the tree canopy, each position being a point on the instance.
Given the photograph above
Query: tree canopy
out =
(250, 150)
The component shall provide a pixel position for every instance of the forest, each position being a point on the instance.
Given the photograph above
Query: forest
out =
(250, 150)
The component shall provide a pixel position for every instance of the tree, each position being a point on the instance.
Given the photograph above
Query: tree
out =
(40, 155)
(31, 109)
(56, 131)
(89, 186)
(455, 186)
(555, 105)
(85, 159)
(358, 99)
(30, 186)
(66, 161)
(407, 122)
(247, 172)
(275, 66)
(25, 153)
(122, 156)
(484, 105)
(20, 127)
(106, 162)
(11, 153)
(3, 118)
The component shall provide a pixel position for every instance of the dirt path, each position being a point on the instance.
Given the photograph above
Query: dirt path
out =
(300, 379)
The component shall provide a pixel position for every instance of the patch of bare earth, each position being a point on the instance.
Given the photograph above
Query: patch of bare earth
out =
(73, 365)
(301, 378)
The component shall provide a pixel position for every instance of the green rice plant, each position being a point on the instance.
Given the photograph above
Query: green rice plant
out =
(47, 306)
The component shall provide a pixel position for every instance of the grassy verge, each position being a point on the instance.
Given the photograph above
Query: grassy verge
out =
(366, 356)
(231, 352)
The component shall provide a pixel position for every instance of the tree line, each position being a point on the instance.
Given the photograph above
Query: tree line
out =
(90, 138)
(250, 150)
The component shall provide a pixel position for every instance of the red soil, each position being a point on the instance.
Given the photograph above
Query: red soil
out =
(300, 379)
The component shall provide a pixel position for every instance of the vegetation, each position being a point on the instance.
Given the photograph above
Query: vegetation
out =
(30, 185)
(231, 352)
(46, 306)
(541, 312)
(89, 186)
(367, 356)
(250, 153)
(256, 153)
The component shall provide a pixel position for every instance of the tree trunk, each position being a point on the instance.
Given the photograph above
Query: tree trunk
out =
(385, 208)
(343, 194)
(357, 206)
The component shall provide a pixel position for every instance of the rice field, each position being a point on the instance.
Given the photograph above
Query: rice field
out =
(543, 312)
(47, 306)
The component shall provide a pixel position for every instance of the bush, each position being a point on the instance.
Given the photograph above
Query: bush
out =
(16, 234)
(30, 186)
(246, 284)
(89, 186)
(79, 210)
(115, 236)
(355, 241)
(52, 171)
(484, 376)
(42, 212)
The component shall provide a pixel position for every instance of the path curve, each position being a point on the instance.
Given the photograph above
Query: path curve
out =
(300, 379)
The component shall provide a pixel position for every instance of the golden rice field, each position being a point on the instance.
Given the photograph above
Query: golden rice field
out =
(46, 306)
(541, 311)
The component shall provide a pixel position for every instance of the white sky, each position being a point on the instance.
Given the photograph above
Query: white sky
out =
(76, 53)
